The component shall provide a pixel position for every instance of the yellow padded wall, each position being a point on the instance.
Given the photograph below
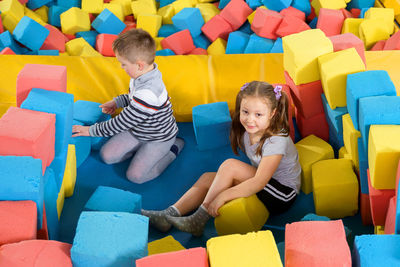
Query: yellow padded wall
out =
(252, 249)
(383, 155)
(163, 245)
(301, 51)
(350, 137)
(334, 68)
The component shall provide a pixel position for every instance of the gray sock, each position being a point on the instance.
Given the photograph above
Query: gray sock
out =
(157, 217)
(193, 224)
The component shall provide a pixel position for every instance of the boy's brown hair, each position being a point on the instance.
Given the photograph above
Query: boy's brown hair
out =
(135, 44)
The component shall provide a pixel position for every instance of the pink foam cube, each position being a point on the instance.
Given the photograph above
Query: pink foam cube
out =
(348, 40)
(316, 125)
(18, 221)
(104, 44)
(216, 27)
(49, 77)
(330, 21)
(378, 46)
(347, 14)
(266, 22)
(290, 25)
(393, 43)
(316, 243)
(7, 51)
(390, 220)
(236, 13)
(193, 257)
(55, 40)
(379, 201)
(26, 132)
(293, 12)
(180, 42)
(198, 51)
(44, 253)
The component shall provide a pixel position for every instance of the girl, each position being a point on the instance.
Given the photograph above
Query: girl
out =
(259, 128)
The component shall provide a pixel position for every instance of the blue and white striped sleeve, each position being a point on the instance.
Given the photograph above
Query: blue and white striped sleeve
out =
(122, 100)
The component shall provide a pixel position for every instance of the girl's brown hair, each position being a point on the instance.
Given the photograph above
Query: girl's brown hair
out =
(279, 122)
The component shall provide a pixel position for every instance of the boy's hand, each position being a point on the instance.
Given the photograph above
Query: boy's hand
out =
(79, 130)
(109, 107)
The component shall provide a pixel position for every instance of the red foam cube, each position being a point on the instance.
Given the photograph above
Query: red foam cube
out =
(216, 27)
(7, 51)
(55, 40)
(379, 201)
(398, 178)
(69, 37)
(23, 1)
(330, 21)
(44, 253)
(293, 12)
(312, 15)
(347, 14)
(129, 26)
(49, 77)
(390, 220)
(365, 209)
(1, 26)
(378, 46)
(18, 221)
(26, 132)
(306, 97)
(198, 51)
(348, 40)
(180, 42)
(104, 44)
(290, 25)
(316, 125)
(43, 233)
(356, 12)
(316, 243)
(393, 43)
(236, 13)
(266, 22)
(193, 257)
(130, 18)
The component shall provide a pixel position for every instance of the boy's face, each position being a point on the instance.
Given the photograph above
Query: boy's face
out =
(132, 69)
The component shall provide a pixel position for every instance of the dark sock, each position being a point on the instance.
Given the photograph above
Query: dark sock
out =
(193, 224)
(177, 147)
(157, 217)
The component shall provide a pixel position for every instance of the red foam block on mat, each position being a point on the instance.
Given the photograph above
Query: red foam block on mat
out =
(198, 51)
(26, 132)
(293, 12)
(55, 40)
(1, 26)
(104, 44)
(266, 22)
(316, 243)
(129, 26)
(7, 51)
(236, 13)
(49, 77)
(365, 209)
(43, 253)
(18, 221)
(348, 40)
(194, 257)
(316, 125)
(43, 233)
(216, 27)
(393, 43)
(330, 21)
(378, 46)
(291, 25)
(390, 221)
(347, 14)
(180, 42)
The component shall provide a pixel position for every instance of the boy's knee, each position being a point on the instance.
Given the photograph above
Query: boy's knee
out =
(137, 177)
(107, 157)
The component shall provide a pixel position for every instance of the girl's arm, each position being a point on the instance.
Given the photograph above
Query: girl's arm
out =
(265, 170)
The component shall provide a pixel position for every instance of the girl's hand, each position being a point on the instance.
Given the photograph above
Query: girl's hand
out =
(214, 206)
(109, 107)
(79, 130)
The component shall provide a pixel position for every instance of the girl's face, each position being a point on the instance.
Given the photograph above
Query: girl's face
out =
(255, 115)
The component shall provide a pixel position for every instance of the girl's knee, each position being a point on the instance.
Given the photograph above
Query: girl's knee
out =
(228, 164)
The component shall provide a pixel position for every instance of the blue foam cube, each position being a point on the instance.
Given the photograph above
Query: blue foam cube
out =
(50, 202)
(58, 103)
(246, 28)
(363, 84)
(54, 14)
(335, 140)
(58, 166)
(30, 33)
(360, 4)
(109, 239)
(107, 22)
(277, 47)
(313, 23)
(165, 52)
(165, 2)
(98, 142)
(253, 4)
(223, 3)
(83, 145)
(302, 5)
(48, 53)
(376, 250)
(201, 41)
(237, 42)
(89, 36)
(257, 45)
(377, 110)
(69, 3)
(33, 4)
(21, 179)
(211, 123)
(362, 13)
(334, 116)
(363, 167)
(112, 199)
(189, 18)
(277, 5)
(89, 112)
(166, 30)
(7, 40)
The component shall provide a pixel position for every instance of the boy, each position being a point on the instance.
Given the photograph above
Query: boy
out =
(146, 124)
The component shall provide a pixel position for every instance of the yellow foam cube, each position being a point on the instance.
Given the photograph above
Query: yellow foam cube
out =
(164, 245)
(311, 149)
(395, 4)
(150, 23)
(143, 7)
(252, 249)
(116, 9)
(343, 153)
(166, 12)
(181, 4)
(301, 51)
(74, 20)
(379, 230)
(43, 12)
(158, 43)
(89, 51)
(75, 46)
(92, 6)
(207, 10)
(240, 216)
(383, 155)
(350, 137)
(60, 200)
(331, 4)
(372, 31)
(125, 4)
(385, 15)
(70, 171)
(335, 188)
(352, 25)
(334, 68)
(251, 16)
(217, 47)
(12, 12)
(34, 16)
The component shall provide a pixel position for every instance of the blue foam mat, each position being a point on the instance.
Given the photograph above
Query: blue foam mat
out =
(168, 187)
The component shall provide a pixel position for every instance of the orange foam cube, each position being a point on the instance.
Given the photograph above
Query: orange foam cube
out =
(104, 44)
(330, 21)
(180, 42)
(55, 40)
(266, 22)
(216, 27)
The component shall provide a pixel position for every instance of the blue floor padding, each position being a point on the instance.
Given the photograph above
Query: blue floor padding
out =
(167, 188)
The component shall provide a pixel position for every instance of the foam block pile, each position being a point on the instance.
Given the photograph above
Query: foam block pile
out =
(88, 28)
